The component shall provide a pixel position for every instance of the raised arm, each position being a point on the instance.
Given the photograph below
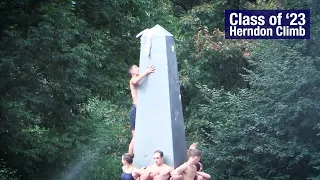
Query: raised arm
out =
(136, 80)
(192, 146)
(205, 175)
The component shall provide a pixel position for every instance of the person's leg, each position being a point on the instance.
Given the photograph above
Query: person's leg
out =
(131, 145)
(132, 127)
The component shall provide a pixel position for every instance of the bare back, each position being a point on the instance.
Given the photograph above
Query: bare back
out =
(134, 91)
(190, 173)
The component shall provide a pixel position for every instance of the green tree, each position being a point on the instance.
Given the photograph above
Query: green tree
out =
(55, 58)
(271, 130)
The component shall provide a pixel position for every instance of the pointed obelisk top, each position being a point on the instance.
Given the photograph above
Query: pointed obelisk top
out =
(156, 30)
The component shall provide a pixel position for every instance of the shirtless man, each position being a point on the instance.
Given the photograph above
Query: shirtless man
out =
(134, 82)
(188, 170)
(159, 170)
(200, 174)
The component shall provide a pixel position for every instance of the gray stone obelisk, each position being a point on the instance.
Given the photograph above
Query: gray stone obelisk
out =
(159, 118)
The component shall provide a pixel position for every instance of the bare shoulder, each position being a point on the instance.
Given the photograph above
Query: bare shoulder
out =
(151, 167)
(194, 167)
(184, 164)
(181, 168)
(169, 167)
(131, 80)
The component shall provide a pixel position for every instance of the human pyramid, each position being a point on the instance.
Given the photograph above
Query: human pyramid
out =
(190, 170)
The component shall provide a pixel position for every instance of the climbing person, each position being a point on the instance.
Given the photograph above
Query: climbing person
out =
(159, 170)
(127, 167)
(134, 82)
(129, 172)
(200, 174)
(188, 170)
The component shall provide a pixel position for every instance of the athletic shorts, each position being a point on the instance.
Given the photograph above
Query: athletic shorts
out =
(133, 117)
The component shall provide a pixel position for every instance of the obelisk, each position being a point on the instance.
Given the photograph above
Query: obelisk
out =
(159, 118)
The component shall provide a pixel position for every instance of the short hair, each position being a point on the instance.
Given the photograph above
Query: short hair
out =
(160, 152)
(128, 157)
(195, 152)
(130, 68)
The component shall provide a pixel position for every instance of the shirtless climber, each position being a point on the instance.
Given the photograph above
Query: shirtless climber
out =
(134, 82)
(188, 170)
(159, 170)
(200, 174)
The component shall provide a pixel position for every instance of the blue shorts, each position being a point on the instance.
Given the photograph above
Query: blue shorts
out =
(133, 117)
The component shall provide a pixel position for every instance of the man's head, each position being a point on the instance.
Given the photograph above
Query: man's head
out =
(158, 157)
(195, 155)
(133, 70)
(127, 159)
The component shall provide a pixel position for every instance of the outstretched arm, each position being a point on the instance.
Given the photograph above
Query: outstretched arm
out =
(205, 175)
(136, 80)
(142, 173)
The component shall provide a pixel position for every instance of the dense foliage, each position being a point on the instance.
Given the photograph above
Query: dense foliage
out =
(253, 105)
